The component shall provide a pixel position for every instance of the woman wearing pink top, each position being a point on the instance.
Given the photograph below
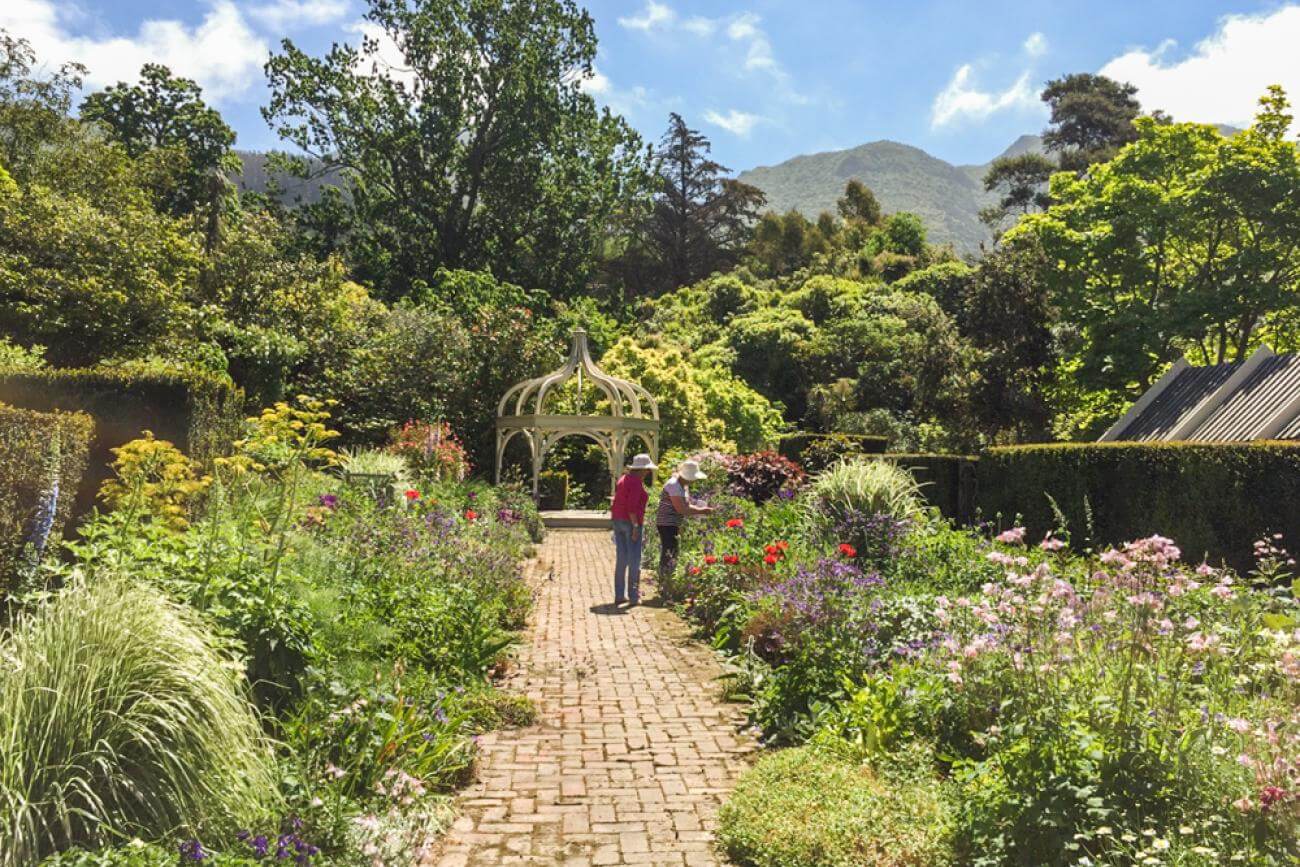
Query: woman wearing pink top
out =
(628, 514)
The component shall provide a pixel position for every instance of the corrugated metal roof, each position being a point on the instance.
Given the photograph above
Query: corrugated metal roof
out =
(1291, 431)
(1176, 403)
(1244, 415)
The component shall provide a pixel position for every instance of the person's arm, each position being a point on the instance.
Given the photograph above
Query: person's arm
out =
(684, 507)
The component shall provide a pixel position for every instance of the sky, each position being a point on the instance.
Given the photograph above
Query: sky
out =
(765, 80)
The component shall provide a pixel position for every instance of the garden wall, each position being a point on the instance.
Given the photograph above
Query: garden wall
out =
(199, 413)
(1213, 499)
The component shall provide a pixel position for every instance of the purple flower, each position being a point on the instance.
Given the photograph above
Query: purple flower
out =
(329, 501)
(192, 850)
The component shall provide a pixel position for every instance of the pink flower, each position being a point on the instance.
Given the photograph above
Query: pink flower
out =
(1051, 544)
(1245, 805)
(1014, 536)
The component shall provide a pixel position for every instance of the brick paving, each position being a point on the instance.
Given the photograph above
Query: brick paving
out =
(634, 751)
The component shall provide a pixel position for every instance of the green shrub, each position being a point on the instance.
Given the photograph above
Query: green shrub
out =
(42, 459)
(121, 716)
(1213, 499)
(199, 412)
(859, 488)
(815, 452)
(492, 709)
(947, 482)
(805, 807)
(553, 489)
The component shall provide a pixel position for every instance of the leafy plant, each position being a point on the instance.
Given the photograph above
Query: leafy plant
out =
(120, 716)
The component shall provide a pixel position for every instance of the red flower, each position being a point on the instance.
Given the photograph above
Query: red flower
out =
(731, 560)
(771, 559)
(735, 523)
(783, 545)
(471, 515)
(709, 560)
(848, 550)
(412, 495)
(694, 570)
(771, 549)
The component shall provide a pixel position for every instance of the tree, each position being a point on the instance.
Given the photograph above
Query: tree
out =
(478, 148)
(1184, 243)
(1021, 184)
(1008, 318)
(164, 111)
(700, 220)
(1091, 119)
(784, 243)
(859, 204)
(33, 111)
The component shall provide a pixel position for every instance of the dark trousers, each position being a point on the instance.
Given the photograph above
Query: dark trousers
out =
(667, 549)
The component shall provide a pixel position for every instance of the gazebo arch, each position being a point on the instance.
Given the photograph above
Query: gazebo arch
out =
(633, 412)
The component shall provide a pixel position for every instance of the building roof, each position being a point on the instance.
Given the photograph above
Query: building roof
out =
(1255, 399)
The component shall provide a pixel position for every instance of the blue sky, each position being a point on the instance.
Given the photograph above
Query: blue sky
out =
(765, 79)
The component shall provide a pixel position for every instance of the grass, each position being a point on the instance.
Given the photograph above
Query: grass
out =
(121, 716)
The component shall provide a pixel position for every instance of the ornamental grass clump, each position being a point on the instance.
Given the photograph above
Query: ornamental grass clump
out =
(849, 490)
(121, 716)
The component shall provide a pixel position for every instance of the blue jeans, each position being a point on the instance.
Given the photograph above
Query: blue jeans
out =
(627, 561)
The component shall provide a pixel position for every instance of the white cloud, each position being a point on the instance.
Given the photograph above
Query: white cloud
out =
(300, 12)
(387, 56)
(222, 53)
(1220, 80)
(758, 55)
(1036, 45)
(962, 99)
(739, 123)
(655, 16)
(700, 26)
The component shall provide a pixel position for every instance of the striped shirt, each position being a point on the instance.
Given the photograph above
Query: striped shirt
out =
(667, 516)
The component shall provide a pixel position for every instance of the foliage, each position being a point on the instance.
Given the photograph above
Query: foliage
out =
(946, 482)
(123, 716)
(553, 489)
(152, 477)
(699, 405)
(807, 807)
(1214, 497)
(42, 459)
(1021, 184)
(431, 451)
(1091, 118)
(164, 111)
(497, 158)
(816, 452)
(763, 475)
(1181, 244)
(860, 486)
(698, 221)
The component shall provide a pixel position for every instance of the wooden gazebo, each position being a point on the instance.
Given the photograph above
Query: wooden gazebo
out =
(632, 414)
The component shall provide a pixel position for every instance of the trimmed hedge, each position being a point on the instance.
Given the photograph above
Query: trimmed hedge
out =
(201, 413)
(1213, 499)
(947, 482)
(815, 452)
(42, 460)
(552, 490)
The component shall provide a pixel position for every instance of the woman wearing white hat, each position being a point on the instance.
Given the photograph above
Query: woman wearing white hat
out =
(628, 514)
(675, 506)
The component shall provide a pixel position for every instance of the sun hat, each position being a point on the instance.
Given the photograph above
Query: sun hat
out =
(689, 471)
(642, 462)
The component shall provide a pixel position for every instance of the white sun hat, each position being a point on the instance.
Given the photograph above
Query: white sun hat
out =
(689, 471)
(642, 462)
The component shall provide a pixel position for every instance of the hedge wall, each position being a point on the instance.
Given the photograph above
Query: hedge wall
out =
(1213, 499)
(815, 452)
(42, 460)
(947, 481)
(200, 413)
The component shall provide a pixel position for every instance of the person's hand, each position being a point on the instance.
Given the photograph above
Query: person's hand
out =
(636, 534)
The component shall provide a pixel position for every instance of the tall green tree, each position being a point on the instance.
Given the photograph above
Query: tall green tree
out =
(700, 220)
(1021, 185)
(1091, 119)
(164, 111)
(859, 203)
(1186, 242)
(33, 108)
(475, 147)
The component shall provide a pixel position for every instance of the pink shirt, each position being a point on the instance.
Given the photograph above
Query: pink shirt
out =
(630, 497)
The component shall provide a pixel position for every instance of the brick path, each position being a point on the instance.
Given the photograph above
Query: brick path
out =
(634, 750)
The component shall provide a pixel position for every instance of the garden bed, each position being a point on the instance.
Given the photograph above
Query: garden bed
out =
(1047, 707)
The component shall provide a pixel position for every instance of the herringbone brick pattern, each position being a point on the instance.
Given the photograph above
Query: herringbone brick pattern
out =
(634, 751)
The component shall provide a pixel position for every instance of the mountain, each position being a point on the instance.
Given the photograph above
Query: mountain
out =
(257, 178)
(904, 178)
